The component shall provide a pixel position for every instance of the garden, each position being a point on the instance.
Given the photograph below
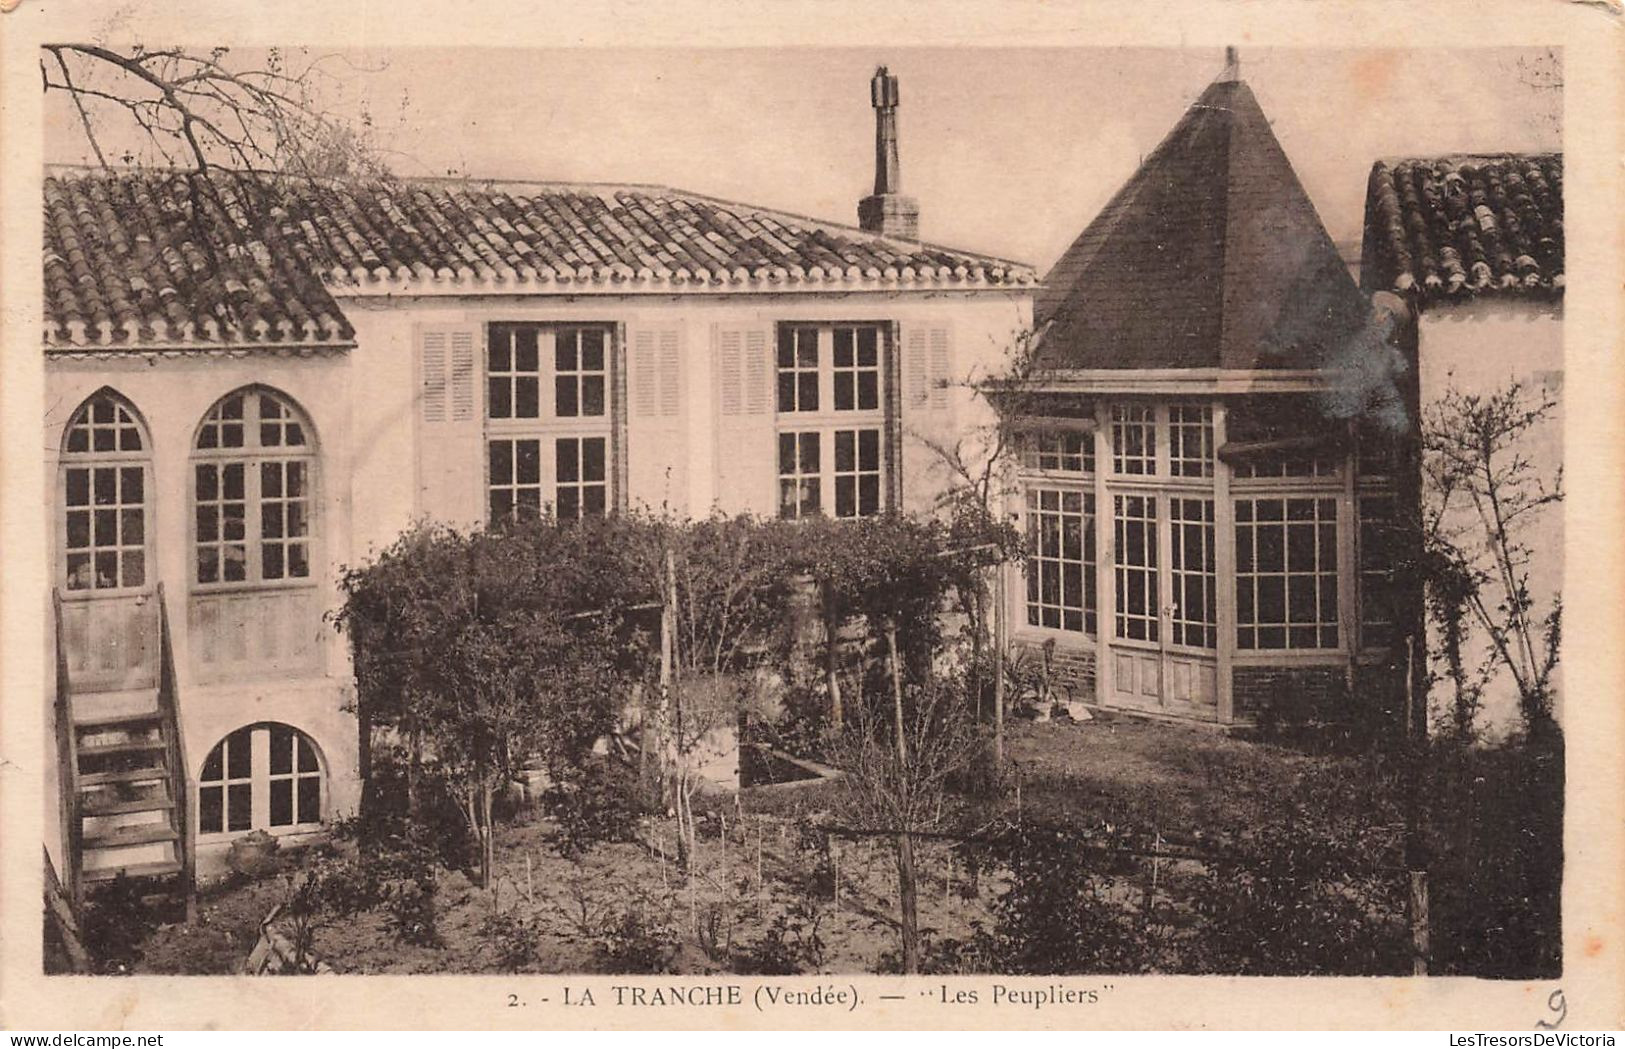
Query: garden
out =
(540, 703)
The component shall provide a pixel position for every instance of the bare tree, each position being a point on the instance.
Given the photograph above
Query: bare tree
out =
(1483, 497)
(203, 109)
(897, 776)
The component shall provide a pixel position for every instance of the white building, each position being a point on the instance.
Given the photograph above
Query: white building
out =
(1475, 244)
(253, 382)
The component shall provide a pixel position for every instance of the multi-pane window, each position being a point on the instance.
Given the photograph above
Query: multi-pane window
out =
(252, 492)
(798, 370)
(1058, 452)
(225, 792)
(1286, 465)
(800, 483)
(1134, 439)
(857, 369)
(1190, 440)
(104, 495)
(1191, 565)
(1286, 573)
(547, 392)
(831, 420)
(1061, 559)
(260, 776)
(581, 477)
(857, 473)
(1378, 586)
(295, 779)
(1134, 523)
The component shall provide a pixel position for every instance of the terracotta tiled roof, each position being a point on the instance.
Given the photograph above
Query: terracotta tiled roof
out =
(158, 257)
(1452, 227)
(1210, 256)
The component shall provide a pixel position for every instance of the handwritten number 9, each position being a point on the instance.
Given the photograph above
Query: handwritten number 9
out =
(1558, 1005)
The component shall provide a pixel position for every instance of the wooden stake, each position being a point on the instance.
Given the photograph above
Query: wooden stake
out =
(998, 667)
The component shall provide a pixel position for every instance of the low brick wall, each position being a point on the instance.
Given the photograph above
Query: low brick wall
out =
(1289, 690)
(1319, 693)
(1073, 669)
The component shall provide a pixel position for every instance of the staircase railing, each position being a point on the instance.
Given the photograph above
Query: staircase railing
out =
(67, 765)
(179, 792)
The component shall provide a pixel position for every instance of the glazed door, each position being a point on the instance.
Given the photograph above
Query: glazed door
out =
(1164, 626)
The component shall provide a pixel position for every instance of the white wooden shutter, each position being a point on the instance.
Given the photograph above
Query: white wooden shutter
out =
(928, 411)
(656, 428)
(746, 451)
(450, 459)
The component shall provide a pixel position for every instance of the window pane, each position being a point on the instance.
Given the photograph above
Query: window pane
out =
(592, 395)
(133, 484)
(566, 401)
(527, 397)
(529, 464)
(307, 755)
(239, 806)
(845, 496)
(135, 568)
(281, 749)
(498, 399)
(568, 507)
(212, 768)
(211, 810)
(524, 349)
(501, 461)
(592, 459)
(239, 754)
(281, 802)
(310, 799)
(567, 460)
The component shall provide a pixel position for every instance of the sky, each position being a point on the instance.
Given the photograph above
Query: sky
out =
(1010, 152)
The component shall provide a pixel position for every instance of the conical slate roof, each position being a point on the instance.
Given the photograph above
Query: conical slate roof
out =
(1211, 256)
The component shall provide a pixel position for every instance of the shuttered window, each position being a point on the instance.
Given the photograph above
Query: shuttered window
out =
(831, 419)
(548, 420)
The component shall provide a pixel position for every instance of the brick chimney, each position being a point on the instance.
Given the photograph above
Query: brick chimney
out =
(887, 211)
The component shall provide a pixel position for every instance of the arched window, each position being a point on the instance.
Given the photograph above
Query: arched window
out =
(253, 490)
(104, 497)
(262, 776)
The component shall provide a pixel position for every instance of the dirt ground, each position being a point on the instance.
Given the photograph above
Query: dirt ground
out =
(765, 869)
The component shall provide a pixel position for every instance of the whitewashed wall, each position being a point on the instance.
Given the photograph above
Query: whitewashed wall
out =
(172, 396)
(1480, 347)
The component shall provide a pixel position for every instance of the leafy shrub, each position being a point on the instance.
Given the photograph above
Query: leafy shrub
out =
(604, 805)
(1496, 859)
(113, 925)
(1056, 915)
(1315, 890)
(789, 945)
(409, 911)
(514, 941)
(639, 942)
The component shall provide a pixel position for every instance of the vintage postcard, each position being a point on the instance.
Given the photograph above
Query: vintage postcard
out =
(996, 515)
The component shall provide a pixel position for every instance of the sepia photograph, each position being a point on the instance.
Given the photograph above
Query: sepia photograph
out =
(766, 511)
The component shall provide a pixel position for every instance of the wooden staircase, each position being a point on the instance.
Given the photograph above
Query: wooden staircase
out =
(124, 787)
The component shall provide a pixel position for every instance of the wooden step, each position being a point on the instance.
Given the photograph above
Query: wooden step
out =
(139, 834)
(109, 718)
(126, 746)
(162, 869)
(118, 808)
(91, 779)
